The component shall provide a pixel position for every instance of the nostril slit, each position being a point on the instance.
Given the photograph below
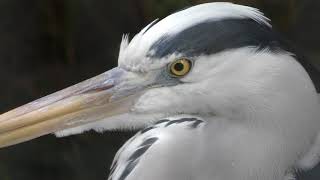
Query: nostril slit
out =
(98, 89)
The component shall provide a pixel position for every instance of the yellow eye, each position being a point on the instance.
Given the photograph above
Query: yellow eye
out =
(180, 67)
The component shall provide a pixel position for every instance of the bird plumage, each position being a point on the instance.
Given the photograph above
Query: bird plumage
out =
(134, 55)
(155, 147)
(244, 74)
(250, 131)
(246, 109)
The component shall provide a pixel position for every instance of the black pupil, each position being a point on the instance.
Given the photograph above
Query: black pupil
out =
(178, 67)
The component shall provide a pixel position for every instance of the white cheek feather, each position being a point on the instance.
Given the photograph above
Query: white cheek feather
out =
(134, 53)
(255, 88)
(243, 76)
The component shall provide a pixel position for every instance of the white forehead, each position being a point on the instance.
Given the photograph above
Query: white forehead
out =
(133, 55)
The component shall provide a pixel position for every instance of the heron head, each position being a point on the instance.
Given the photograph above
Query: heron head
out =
(207, 60)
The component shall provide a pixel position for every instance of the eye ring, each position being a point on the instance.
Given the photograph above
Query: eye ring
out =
(180, 67)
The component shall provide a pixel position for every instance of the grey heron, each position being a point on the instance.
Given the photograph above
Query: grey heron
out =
(217, 93)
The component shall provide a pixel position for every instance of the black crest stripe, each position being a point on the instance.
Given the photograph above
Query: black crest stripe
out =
(212, 37)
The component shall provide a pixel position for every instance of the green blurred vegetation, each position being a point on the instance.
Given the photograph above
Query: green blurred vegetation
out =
(47, 45)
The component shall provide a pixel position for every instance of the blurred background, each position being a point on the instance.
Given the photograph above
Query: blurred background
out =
(47, 45)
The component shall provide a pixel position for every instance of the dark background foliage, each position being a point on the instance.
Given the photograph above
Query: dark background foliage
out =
(47, 45)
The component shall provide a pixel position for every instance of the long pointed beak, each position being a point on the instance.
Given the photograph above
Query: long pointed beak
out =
(80, 104)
